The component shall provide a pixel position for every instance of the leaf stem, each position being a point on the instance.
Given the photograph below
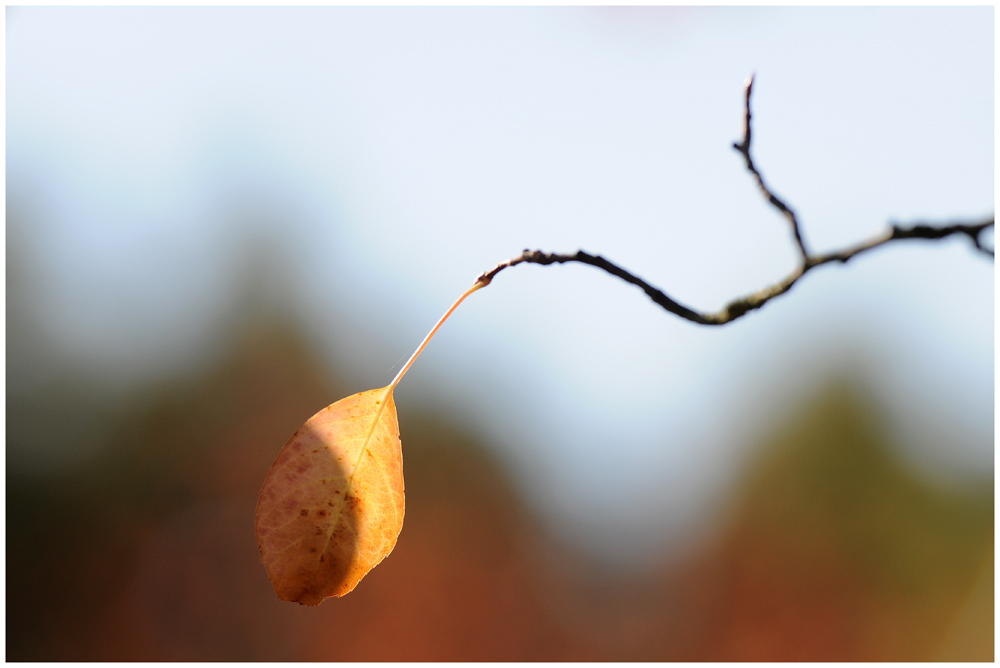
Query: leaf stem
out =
(423, 344)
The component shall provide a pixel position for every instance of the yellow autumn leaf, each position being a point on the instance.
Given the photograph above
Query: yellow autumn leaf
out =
(332, 504)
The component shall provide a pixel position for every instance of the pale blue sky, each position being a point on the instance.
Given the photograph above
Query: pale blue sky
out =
(386, 156)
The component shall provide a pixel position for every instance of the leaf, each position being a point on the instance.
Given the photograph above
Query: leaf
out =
(332, 504)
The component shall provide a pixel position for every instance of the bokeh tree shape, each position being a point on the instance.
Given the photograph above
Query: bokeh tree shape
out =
(146, 554)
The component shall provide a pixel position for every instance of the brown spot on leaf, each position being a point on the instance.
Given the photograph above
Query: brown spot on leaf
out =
(305, 511)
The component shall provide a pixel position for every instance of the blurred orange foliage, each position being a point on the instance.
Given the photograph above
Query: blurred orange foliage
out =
(832, 549)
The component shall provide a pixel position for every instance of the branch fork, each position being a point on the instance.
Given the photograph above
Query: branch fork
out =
(740, 307)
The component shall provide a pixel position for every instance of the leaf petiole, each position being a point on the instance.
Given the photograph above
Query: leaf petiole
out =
(423, 344)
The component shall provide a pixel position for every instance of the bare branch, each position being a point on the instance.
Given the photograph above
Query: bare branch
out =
(538, 257)
(916, 231)
(740, 307)
(744, 148)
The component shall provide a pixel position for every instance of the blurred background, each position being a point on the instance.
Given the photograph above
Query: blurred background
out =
(220, 220)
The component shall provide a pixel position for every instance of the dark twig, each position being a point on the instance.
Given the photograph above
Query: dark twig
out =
(744, 148)
(538, 257)
(744, 305)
